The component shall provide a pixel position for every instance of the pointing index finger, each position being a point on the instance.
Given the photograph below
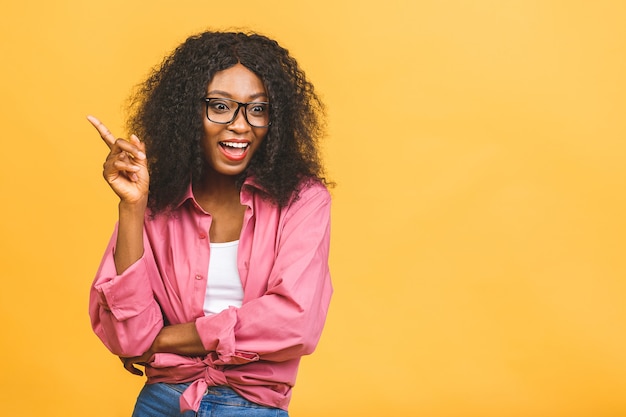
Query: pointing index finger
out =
(104, 131)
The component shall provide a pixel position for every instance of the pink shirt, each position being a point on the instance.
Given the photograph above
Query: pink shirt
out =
(256, 348)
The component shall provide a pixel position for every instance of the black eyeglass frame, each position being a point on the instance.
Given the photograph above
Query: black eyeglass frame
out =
(207, 100)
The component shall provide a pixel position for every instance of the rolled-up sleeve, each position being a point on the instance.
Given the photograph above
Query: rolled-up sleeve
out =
(124, 313)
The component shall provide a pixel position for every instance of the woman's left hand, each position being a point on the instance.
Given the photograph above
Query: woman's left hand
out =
(143, 360)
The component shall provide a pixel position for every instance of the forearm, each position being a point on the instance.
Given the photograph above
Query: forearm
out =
(181, 339)
(129, 245)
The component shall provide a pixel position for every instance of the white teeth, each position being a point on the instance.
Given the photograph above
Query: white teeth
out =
(235, 144)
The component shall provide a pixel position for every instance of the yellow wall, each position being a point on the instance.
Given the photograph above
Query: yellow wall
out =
(479, 223)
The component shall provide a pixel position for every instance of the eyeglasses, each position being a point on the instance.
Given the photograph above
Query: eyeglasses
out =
(225, 110)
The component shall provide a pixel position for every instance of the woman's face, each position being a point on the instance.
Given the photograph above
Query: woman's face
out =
(229, 147)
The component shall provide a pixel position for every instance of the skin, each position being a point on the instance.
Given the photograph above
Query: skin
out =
(126, 172)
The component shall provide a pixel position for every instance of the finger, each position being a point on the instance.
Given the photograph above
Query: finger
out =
(140, 145)
(124, 164)
(128, 365)
(135, 140)
(104, 131)
(134, 149)
(121, 165)
(134, 370)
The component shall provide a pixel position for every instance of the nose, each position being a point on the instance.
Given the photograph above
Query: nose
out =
(239, 123)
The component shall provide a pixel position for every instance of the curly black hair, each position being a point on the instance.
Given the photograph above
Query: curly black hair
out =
(167, 110)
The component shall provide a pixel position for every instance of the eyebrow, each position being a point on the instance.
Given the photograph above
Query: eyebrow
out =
(224, 93)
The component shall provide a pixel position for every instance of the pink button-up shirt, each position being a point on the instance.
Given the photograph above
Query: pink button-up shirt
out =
(256, 348)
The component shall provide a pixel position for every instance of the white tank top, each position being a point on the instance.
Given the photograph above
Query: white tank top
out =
(224, 285)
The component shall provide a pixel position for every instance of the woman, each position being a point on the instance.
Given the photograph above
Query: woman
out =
(216, 277)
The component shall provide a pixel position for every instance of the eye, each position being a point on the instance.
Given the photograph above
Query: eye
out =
(257, 109)
(219, 106)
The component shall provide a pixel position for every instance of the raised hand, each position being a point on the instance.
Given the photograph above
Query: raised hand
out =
(125, 168)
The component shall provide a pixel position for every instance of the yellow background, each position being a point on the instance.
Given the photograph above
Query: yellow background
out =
(479, 225)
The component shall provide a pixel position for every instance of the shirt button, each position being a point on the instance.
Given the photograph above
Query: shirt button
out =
(198, 277)
(202, 235)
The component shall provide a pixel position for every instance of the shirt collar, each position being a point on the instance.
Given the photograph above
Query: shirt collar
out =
(247, 190)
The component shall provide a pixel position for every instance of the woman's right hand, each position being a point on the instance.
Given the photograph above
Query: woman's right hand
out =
(126, 166)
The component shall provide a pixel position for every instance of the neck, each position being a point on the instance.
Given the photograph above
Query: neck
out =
(215, 189)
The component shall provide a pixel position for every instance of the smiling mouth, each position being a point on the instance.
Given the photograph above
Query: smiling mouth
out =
(235, 148)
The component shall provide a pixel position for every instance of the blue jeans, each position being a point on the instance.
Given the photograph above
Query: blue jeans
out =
(161, 400)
